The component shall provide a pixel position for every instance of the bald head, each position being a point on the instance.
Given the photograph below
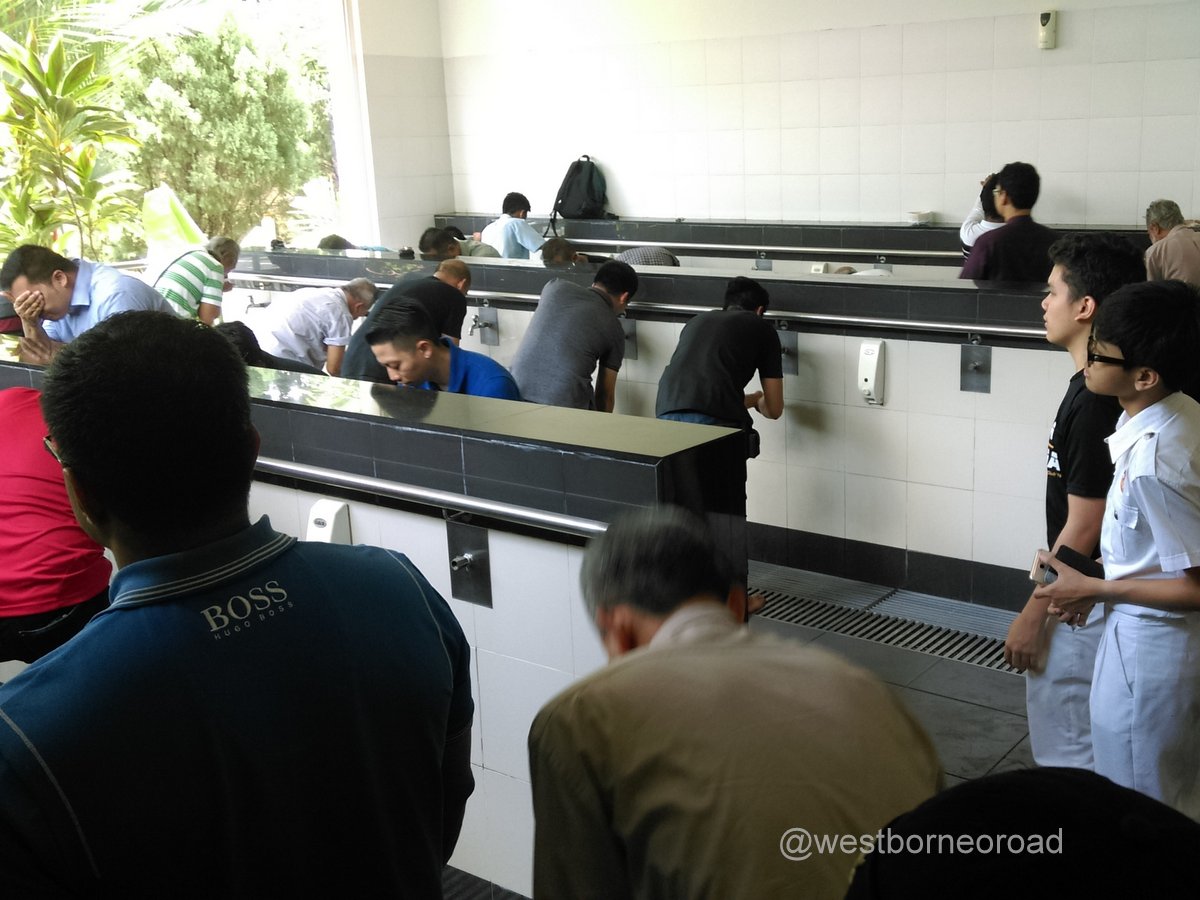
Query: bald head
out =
(455, 273)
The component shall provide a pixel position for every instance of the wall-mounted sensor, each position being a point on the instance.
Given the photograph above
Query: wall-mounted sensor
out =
(871, 371)
(1048, 30)
(329, 522)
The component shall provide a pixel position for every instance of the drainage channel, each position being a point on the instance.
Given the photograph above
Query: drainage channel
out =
(948, 629)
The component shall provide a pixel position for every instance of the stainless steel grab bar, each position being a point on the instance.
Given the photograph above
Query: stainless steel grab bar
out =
(518, 515)
(762, 248)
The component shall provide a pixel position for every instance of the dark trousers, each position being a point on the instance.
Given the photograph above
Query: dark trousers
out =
(30, 637)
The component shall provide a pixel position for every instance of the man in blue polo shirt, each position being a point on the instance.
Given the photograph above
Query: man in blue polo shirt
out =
(406, 343)
(252, 716)
(59, 299)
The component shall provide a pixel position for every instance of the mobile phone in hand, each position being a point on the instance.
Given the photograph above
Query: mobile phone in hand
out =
(1080, 563)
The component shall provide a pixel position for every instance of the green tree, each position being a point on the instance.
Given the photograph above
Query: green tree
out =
(223, 127)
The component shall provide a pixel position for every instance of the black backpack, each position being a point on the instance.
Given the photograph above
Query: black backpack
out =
(582, 195)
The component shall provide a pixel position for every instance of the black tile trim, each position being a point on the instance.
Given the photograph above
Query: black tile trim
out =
(942, 576)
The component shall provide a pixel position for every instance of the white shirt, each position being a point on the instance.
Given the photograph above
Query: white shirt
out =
(514, 238)
(974, 225)
(299, 325)
(1152, 514)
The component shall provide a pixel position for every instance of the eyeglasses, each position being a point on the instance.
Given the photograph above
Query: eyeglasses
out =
(47, 442)
(996, 190)
(1093, 357)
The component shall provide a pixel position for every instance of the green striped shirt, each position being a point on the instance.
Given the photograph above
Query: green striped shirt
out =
(194, 278)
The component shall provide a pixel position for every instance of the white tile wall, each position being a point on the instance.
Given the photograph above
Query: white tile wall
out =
(839, 102)
(816, 500)
(761, 57)
(838, 53)
(873, 510)
(801, 150)
(508, 813)
(939, 520)
(1010, 458)
(587, 651)
(969, 44)
(530, 618)
(1173, 31)
(1007, 529)
(925, 47)
(1134, 69)
(882, 49)
(1168, 143)
(880, 101)
(816, 434)
(941, 450)
(799, 56)
(511, 692)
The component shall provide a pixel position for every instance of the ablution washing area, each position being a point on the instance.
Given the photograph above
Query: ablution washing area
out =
(895, 506)
(910, 511)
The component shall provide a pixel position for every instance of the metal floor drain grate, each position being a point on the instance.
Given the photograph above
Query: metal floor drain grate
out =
(898, 619)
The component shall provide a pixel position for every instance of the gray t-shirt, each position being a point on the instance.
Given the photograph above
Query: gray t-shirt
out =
(573, 329)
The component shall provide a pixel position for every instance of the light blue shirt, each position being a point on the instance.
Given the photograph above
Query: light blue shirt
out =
(514, 238)
(100, 292)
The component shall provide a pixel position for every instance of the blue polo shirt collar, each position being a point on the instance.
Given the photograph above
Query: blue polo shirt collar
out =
(179, 574)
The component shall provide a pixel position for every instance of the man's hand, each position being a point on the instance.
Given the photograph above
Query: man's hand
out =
(1026, 640)
(752, 399)
(1071, 592)
(37, 351)
(29, 305)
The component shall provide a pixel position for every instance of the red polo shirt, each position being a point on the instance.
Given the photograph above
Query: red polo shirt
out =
(46, 560)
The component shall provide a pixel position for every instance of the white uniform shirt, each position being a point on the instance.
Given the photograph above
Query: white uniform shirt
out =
(299, 325)
(1152, 514)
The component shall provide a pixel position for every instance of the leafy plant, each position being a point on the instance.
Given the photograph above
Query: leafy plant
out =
(57, 178)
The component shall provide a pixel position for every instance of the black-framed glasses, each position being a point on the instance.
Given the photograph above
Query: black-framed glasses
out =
(48, 443)
(1094, 357)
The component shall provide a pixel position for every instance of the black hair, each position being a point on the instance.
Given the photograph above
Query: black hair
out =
(403, 324)
(746, 293)
(35, 263)
(654, 559)
(987, 199)
(435, 243)
(334, 242)
(132, 401)
(1022, 184)
(1096, 264)
(455, 232)
(514, 203)
(1155, 324)
(243, 339)
(617, 278)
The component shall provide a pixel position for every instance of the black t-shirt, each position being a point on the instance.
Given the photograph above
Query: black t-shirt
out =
(717, 355)
(1078, 461)
(446, 306)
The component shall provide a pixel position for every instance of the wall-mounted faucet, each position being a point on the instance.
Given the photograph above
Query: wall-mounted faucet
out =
(487, 323)
(476, 323)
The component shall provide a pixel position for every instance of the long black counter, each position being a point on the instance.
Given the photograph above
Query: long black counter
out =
(830, 298)
(566, 461)
(930, 245)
